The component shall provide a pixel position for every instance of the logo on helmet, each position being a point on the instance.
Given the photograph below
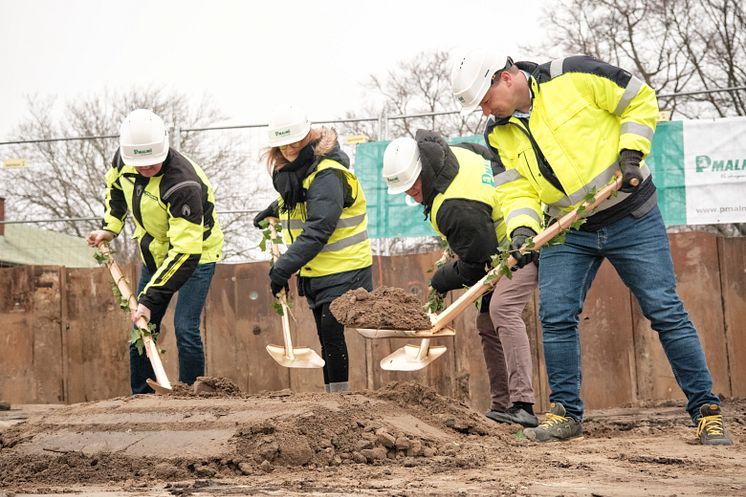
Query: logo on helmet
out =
(282, 133)
(185, 211)
(142, 152)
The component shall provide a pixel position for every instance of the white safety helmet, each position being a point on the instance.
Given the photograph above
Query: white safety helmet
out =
(289, 124)
(471, 76)
(401, 165)
(143, 139)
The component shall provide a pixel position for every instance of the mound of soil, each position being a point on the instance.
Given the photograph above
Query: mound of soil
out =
(151, 437)
(383, 308)
(403, 440)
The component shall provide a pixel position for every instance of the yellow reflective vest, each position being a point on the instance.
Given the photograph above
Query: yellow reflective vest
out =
(472, 182)
(584, 112)
(176, 226)
(348, 247)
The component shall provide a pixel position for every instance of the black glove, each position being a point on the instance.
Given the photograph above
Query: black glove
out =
(517, 240)
(277, 283)
(273, 210)
(446, 278)
(629, 163)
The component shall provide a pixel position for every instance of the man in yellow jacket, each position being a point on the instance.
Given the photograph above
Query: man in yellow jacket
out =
(173, 207)
(563, 129)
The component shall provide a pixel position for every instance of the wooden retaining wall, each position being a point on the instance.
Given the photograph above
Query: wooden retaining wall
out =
(63, 339)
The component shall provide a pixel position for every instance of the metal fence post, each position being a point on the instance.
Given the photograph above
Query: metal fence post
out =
(383, 125)
(176, 137)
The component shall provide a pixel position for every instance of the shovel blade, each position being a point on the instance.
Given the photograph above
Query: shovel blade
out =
(380, 333)
(159, 389)
(405, 358)
(304, 357)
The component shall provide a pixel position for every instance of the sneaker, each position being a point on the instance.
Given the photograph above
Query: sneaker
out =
(497, 415)
(514, 415)
(555, 427)
(710, 427)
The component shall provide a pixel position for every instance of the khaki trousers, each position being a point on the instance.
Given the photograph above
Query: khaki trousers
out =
(505, 344)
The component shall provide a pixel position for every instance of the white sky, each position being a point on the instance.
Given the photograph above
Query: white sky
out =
(247, 56)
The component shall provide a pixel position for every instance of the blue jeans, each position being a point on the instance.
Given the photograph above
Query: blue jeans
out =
(191, 301)
(639, 251)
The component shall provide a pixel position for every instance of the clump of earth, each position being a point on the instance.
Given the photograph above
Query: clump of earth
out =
(207, 386)
(383, 308)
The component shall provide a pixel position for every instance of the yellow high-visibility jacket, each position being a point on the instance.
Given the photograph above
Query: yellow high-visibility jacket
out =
(347, 248)
(473, 182)
(584, 112)
(175, 222)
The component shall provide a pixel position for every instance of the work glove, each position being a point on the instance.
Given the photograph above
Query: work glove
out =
(629, 163)
(517, 240)
(272, 210)
(446, 278)
(277, 283)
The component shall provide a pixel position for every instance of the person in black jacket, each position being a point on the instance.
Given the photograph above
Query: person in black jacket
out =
(455, 186)
(173, 207)
(322, 208)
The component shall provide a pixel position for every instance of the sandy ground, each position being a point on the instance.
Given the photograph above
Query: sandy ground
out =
(403, 440)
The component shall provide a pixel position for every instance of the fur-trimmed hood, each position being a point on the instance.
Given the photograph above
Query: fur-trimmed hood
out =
(327, 147)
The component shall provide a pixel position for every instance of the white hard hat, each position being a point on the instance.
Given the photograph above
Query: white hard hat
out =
(143, 139)
(401, 165)
(288, 124)
(471, 76)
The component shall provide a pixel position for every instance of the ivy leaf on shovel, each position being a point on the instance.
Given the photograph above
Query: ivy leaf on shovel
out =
(137, 335)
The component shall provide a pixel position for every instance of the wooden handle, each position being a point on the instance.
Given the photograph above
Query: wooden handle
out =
(151, 349)
(489, 280)
(282, 297)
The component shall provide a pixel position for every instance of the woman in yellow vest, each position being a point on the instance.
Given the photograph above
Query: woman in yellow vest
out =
(322, 207)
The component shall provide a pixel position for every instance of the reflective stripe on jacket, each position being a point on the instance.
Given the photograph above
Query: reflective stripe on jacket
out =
(348, 247)
(584, 112)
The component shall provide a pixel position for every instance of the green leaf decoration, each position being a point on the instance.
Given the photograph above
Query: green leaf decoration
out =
(278, 308)
(435, 301)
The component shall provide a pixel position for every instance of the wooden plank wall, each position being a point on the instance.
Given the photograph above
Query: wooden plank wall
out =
(64, 338)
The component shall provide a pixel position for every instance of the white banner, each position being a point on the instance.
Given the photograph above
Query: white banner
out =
(715, 170)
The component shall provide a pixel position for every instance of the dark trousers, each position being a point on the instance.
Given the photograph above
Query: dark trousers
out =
(189, 305)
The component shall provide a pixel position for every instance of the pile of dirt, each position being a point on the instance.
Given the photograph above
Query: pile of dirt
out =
(156, 438)
(383, 308)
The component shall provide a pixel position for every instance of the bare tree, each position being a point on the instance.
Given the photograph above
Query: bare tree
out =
(675, 46)
(65, 179)
(419, 85)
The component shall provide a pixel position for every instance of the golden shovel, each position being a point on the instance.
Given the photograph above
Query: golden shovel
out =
(440, 322)
(415, 357)
(285, 355)
(161, 384)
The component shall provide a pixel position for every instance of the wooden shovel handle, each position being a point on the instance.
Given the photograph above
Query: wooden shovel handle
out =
(151, 349)
(282, 297)
(489, 280)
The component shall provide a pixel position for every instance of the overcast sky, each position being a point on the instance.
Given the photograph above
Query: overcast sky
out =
(248, 56)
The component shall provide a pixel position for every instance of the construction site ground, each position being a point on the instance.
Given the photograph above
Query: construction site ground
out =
(402, 440)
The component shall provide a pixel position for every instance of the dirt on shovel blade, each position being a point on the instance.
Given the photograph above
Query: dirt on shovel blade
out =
(384, 308)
